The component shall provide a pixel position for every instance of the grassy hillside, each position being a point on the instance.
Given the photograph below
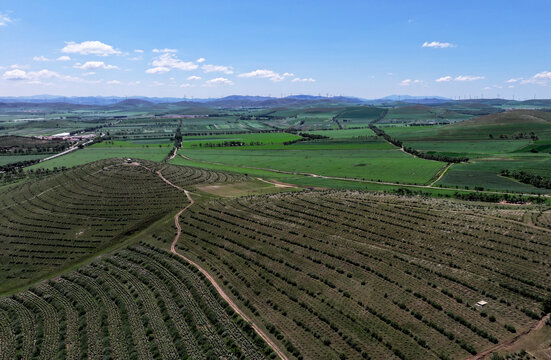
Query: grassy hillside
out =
(518, 139)
(421, 114)
(517, 117)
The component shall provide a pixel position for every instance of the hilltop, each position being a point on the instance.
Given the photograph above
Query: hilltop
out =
(510, 117)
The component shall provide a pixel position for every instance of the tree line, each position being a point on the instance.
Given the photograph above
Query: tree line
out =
(527, 178)
(306, 137)
(414, 152)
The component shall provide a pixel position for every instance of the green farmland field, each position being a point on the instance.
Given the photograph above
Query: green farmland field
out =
(385, 165)
(485, 172)
(9, 159)
(90, 154)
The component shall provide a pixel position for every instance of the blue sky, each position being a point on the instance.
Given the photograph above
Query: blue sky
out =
(206, 48)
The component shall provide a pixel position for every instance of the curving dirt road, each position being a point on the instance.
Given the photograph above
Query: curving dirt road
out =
(220, 291)
(512, 341)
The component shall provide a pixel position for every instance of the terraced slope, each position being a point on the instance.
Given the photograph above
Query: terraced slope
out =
(141, 303)
(349, 275)
(184, 176)
(50, 224)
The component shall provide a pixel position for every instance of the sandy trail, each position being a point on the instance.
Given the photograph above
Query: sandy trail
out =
(220, 291)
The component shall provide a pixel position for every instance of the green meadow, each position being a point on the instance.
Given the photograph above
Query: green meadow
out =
(94, 153)
(384, 165)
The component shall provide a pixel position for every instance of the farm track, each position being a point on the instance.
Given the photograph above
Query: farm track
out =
(540, 324)
(353, 180)
(220, 291)
(442, 173)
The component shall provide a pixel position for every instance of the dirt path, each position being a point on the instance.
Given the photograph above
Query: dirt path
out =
(173, 154)
(278, 184)
(220, 291)
(512, 341)
(442, 173)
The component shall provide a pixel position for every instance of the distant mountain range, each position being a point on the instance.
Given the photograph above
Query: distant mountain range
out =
(232, 100)
(243, 101)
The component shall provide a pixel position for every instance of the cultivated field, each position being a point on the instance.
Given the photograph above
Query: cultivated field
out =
(50, 224)
(245, 233)
(140, 303)
(352, 275)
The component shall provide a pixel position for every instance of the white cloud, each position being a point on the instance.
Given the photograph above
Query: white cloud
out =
(18, 66)
(167, 61)
(541, 78)
(5, 19)
(218, 81)
(158, 70)
(546, 75)
(303, 80)
(63, 58)
(193, 77)
(408, 82)
(511, 86)
(459, 78)
(165, 50)
(217, 68)
(134, 83)
(200, 60)
(40, 58)
(18, 75)
(437, 44)
(468, 78)
(514, 80)
(138, 51)
(444, 79)
(185, 85)
(92, 65)
(90, 48)
(266, 74)
(113, 82)
(15, 74)
(89, 73)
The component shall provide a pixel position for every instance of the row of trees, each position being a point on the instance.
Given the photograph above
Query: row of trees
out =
(515, 199)
(53, 148)
(412, 151)
(516, 136)
(527, 178)
(306, 137)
